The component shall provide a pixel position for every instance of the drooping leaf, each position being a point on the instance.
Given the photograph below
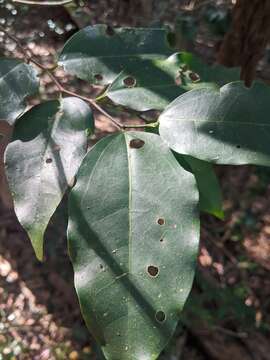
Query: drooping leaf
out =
(99, 53)
(133, 236)
(226, 126)
(48, 145)
(153, 84)
(207, 182)
(17, 82)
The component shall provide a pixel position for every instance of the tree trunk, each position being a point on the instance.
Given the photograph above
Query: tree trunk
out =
(245, 42)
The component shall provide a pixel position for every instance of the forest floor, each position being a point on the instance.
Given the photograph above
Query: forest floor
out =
(228, 313)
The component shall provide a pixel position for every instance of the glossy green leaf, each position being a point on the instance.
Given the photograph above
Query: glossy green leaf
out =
(226, 126)
(17, 82)
(216, 74)
(48, 145)
(207, 182)
(98, 53)
(133, 236)
(153, 84)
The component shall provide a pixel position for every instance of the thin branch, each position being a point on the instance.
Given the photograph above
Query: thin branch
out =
(29, 56)
(44, 3)
(149, 125)
(13, 38)
(93, 103)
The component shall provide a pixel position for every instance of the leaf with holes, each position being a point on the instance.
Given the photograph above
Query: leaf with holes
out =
(17, 82)
(226, 126)
(48, 145)
(98, 53)
(207, 182)
(196, 70)
(153, 84)
(133, 236)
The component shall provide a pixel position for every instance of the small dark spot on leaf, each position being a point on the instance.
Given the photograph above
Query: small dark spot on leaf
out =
(136, 143)
(129, 81)
(48, 161)
(110, 31)
(178, 80)
(238, 146)
(160, 316)
(153, 270)
(194, 77)
(161, 240)
(161, 221)
(101, 266)
(98, 77)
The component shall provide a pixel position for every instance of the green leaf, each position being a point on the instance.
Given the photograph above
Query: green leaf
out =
(17, 82)
(153, 84)
(48, 145)
(207, 182)
(133, 237)
(230, 126)
(99, 53)
(216, 74)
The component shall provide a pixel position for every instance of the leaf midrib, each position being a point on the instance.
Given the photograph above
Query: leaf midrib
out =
(169, 118)
(129, 230)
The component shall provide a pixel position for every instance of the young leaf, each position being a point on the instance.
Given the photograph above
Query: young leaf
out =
(17, 81)
(48, 145)
(153, 84)
(133, 236)
(99, 53)
(207, 182)
(226, 126)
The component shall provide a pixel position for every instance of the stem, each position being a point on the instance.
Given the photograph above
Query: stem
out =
(45, 3)
(149, 125)
(29, 56)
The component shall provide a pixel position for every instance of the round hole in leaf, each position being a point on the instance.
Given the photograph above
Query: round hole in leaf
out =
(129, 81)
(160, 316)
(48, 161)
(194, 77)
(110, 31)
(153, 270)
(161, 221)
(136, 143)
(98, 77)
(178, 80)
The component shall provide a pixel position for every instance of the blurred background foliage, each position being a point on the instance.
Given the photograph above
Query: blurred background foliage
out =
(228, 313)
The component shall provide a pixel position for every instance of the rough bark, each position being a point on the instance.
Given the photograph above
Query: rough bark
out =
(245, 42)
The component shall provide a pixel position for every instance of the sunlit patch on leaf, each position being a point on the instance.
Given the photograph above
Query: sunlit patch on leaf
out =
(18, 81)
(125, 201)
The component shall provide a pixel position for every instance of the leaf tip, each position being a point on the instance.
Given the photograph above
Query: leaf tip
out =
(36, 238)
(219, 214)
